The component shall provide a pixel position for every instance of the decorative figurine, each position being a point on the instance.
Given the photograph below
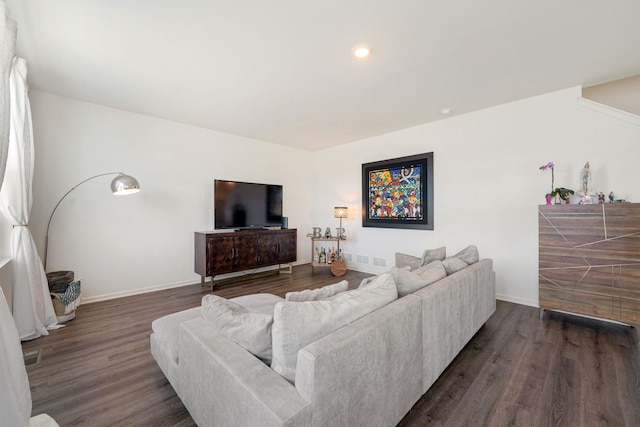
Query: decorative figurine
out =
(601, 198)
(611, 197)
(585, 184)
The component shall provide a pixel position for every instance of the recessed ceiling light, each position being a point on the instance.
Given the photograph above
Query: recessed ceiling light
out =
(446, 111)
(361, 51)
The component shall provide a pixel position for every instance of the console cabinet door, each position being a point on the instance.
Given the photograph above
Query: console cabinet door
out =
(228, 254)
(268, 249)
(220, 255)
(288, 246)
(246, 254)
(277, 247)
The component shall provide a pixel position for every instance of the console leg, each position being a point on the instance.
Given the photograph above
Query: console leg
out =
(288, 271)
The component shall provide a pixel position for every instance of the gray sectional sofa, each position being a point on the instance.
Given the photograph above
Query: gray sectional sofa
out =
(366, 369)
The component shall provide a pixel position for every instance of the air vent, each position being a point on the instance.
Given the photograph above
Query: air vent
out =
(32, 357)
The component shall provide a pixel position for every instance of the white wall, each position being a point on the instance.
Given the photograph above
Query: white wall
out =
(487, 181)
(487, 186)
(125, 245)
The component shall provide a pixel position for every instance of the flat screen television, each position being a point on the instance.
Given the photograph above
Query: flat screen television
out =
(246, 205)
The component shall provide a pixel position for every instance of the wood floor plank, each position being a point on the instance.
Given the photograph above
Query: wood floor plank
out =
(518, 370)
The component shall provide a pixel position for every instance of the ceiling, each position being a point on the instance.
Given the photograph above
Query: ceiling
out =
(281, 71)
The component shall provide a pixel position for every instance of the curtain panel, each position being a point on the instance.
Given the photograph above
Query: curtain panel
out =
(7, 50)
(15, 397)
(32, 307)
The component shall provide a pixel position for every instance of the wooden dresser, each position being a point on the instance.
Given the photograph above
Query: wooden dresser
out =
(589, 260)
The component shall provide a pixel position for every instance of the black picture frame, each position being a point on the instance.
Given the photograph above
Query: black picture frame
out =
(398, 193)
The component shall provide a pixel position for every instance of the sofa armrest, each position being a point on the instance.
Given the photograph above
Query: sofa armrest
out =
(368, 372)
(454, 309)
(222, 384)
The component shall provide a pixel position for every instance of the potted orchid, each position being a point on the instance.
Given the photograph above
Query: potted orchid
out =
(560, 192)
(550, 166)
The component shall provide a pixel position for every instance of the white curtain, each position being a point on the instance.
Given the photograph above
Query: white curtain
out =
(32, 307)
(7, 49)
(15, 397)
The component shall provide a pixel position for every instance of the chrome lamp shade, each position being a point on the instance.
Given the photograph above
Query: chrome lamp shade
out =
(124, 184)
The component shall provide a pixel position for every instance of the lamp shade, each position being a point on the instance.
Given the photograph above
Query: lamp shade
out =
(124, 184)
(340, 212)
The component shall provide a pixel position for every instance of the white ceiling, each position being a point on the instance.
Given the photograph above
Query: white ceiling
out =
(281, 70)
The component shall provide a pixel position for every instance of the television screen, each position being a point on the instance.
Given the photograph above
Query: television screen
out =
(247, 205)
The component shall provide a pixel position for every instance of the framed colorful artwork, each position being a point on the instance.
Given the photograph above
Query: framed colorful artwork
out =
(398, 193)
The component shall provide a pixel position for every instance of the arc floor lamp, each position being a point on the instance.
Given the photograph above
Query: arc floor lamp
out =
(121, 185)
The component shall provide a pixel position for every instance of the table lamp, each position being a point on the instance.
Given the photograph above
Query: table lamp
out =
(340, 212)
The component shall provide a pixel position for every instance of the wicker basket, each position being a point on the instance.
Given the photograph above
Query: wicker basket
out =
(59, 280)
(58, 305)
(67, 300)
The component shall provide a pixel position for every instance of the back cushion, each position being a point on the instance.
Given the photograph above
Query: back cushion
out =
(410, 281)
(248, 328)
(404, 260)
(430, 255)
(462, 259)
(317, 294)
(469, 254)
(297, 324)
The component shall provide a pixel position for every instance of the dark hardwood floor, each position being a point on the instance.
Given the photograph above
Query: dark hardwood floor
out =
(518, 370)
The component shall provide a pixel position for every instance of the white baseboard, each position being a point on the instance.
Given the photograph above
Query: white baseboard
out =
(517, 300)
(114, 295)
(161, 287)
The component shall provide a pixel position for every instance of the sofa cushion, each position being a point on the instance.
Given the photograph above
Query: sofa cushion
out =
(404, 260)
(410, 281)
(167, 329)
(437, 254)
(261, 303)
(317, 294)
(453, 264)
(248, 328)
(469, 255)
(297, 324)
(462, 259)
(364, 282)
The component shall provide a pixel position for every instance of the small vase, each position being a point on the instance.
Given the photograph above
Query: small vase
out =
(548, 197)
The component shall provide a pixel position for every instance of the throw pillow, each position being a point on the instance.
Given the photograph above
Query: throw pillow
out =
(437, 254)
(404, 260)
(410, 281)
(453, 264)
(249, 329)
(317, 294)
(297, 324)
(469, 254)
(261, 302)
(368, 280)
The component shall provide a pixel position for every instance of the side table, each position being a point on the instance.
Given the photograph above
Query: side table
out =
(338, 268)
